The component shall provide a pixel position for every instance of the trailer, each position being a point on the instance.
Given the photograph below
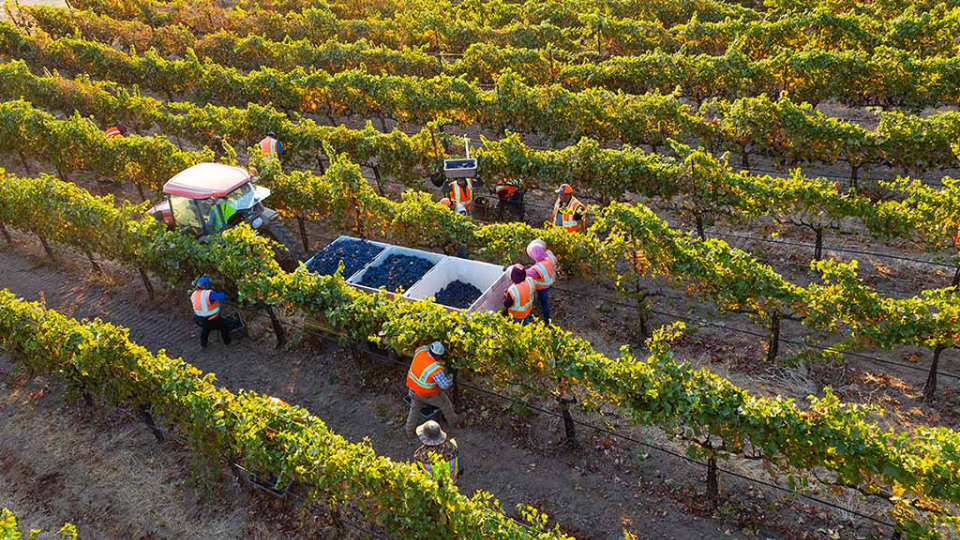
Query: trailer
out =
(490, 280)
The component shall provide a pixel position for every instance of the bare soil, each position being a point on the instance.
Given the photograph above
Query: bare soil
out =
(101, 471)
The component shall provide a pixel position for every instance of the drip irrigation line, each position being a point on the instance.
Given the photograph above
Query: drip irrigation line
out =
(616, 434)
(774, 172)
(838, 250)
(688, 459)
(802, 344)
(765, 336)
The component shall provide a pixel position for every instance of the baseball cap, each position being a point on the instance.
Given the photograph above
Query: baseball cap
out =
(565, 188)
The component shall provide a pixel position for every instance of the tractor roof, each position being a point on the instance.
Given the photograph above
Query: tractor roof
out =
(206, 180)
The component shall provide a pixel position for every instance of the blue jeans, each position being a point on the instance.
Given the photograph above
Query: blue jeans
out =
(523, 322)
(542, 297)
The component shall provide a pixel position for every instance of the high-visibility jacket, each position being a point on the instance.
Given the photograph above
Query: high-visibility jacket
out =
(464, 195)
(215, 222)
(113, 132)
(522, 294)
(277, 402)
(567, 213)
(548, 272)
(451, 470)
(507, 187)
(268, 146)
(202, 306)
(423, 369)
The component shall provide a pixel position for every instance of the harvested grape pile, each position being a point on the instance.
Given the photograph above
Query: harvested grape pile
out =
(396, 272)
(458, 294)
(355, 254)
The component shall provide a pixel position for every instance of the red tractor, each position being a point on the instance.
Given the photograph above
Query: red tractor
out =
(208, 198)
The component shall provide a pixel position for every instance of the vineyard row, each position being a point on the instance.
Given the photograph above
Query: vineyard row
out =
(713, 416)
(781, 129)
(732, 279)
(701, 187)
(249, 429)
(885, 77)
(696, 27)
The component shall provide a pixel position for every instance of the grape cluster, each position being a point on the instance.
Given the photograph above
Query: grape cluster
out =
(355, 254)
(458, 294)
(395, 272)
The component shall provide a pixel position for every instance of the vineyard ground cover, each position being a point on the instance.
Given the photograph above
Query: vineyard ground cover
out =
(577, 489)
(600, 442)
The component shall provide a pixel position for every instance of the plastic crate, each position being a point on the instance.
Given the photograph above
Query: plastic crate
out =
(460, 168)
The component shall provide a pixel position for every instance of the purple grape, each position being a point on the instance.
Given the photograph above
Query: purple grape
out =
(458, 294)
(397, 271)
(355, 254)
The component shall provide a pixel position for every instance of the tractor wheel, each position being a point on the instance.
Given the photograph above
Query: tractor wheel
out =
(289, 258)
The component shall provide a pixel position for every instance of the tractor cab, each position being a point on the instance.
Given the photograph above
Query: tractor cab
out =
(207, 198)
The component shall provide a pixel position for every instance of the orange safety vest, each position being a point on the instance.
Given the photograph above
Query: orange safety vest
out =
(268, 146)
(277, 402)
(202, 306)
(422, 371)
(464, 197)
(113, 132)
(548, 272)
(566, 214)
(507, 187)
(453, 468)
(522, 294)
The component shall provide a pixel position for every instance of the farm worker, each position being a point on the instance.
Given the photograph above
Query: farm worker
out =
(568, 211)
(270, 148)
(427, 384)
(206, 310)
(115, 131)
(228, 211)
(437, 445)
(519, 297)
(508, 189)
(509, 192)
(543, 272)
(461, 191)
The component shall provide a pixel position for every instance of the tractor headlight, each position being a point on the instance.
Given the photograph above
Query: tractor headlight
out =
(257, 223)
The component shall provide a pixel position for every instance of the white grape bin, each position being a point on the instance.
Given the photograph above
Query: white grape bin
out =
(491, 279)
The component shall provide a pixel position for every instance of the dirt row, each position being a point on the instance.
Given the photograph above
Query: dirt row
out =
(594, 492)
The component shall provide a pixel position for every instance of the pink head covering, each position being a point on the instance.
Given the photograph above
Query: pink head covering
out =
(517, 274)
(537, 250)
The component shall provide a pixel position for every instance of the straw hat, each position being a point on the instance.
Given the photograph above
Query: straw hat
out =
(430, 433)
